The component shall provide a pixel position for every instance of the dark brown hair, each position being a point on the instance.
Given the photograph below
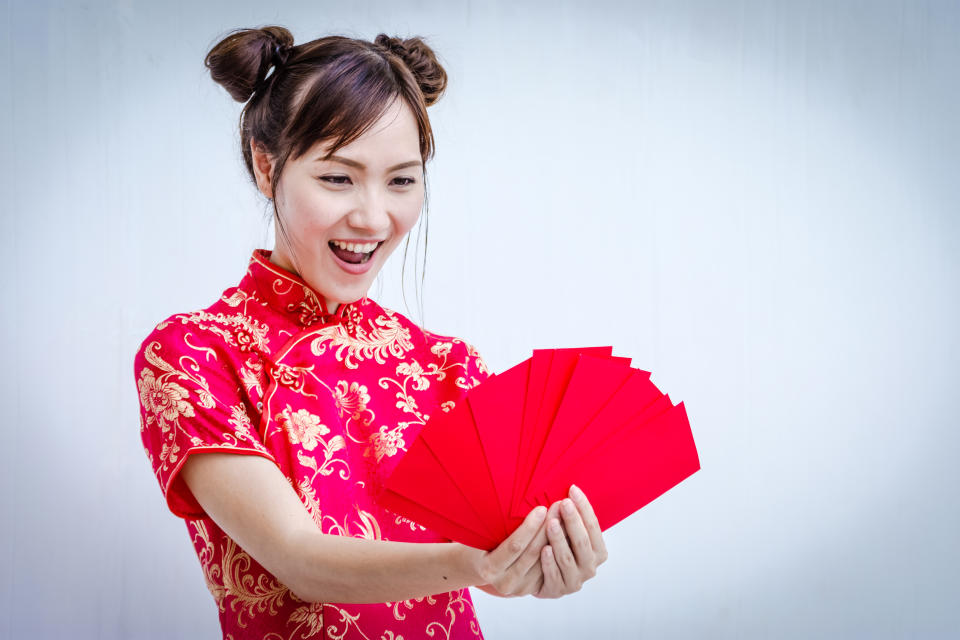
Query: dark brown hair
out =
(329, 89)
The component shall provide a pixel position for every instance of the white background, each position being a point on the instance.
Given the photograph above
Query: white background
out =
(757, 201)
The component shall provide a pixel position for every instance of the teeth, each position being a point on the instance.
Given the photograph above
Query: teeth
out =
(356, 248)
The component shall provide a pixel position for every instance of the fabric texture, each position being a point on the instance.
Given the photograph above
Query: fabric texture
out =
(333, 400)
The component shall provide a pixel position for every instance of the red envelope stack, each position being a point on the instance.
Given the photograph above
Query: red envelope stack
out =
(521, 438)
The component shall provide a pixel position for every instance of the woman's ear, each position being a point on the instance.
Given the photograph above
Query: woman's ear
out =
(262, 168)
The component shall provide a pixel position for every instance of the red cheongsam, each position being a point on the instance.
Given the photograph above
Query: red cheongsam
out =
(334, 400)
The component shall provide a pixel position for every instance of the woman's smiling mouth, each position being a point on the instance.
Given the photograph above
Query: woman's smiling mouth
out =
(352, 255)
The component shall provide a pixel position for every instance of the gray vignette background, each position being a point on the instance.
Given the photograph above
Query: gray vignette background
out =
(755, 200)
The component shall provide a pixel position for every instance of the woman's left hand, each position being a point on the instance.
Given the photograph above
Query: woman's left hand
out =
(576, 546)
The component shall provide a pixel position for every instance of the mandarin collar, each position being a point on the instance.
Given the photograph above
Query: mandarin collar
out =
(289, 294)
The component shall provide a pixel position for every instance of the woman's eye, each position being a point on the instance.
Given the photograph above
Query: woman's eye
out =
(335, 179)
(405, 182)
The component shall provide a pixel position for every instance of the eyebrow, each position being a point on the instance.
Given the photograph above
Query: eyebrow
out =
(360, 165)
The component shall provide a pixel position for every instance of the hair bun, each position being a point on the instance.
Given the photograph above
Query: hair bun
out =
(422, 62)
(240, 61)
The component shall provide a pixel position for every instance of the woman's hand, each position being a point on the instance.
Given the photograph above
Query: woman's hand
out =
(514, 568)
(576, 547)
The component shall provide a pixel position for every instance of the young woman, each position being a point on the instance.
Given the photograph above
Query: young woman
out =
(272, 417)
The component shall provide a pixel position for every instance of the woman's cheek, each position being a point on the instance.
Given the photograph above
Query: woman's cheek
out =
(411, 215)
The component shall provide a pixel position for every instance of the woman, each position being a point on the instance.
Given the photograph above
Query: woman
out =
(272, 416)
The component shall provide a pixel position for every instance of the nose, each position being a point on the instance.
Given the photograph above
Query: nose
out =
(371, 212)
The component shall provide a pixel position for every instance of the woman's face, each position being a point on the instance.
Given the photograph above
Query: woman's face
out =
(366, 197)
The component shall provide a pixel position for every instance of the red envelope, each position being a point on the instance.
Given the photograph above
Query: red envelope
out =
(433, 521)
(561, 368)
(497, 406)
(539, 367)
(628, 472)
(521, 438)
(453, 438)
(421, 478)
(594, 382)
(587, 447)
(634, 396)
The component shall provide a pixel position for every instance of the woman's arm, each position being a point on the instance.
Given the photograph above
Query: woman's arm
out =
(250, 499)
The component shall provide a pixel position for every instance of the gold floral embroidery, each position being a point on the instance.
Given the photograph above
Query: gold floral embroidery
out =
(414, 526)
(335, 444)
(235, 298)
(414, 371)
(354, 314)
(307, 304)
(302, 427)
(408, 404)
(459, 602)
(477, 358)
(294, 378)
(367, 527)
(165, 400)
(241, 422)
(168, 453)
(386, 442)
(308, 495)
(234, 579)
(251, 374)
(311, 615)
(186, 364)
(408, 605)
(441, 348)
(305, 429)
(480, 366)
(251, 591)
(239, 330)
(205, 553)
(466, 384)
(348, 620)
(209, 352)
(351, 399)
(387, 337)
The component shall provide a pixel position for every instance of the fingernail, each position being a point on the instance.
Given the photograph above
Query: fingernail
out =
(540, 513)
(575, 491)
(567, 505)
(555, 526)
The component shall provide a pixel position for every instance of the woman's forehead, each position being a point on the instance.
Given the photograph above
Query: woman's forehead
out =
(390, 136)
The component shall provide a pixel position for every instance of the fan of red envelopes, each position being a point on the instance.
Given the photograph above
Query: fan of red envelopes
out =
(521, 438)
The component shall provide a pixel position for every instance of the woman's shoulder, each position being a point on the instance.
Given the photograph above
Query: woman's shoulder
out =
(378, 314)
(215, 333)
(445, 348)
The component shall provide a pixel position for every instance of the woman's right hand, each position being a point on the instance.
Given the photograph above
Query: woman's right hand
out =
(513, 568)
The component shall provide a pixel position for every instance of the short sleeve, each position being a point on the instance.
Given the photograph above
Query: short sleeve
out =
(475, 369)
(190, 402)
